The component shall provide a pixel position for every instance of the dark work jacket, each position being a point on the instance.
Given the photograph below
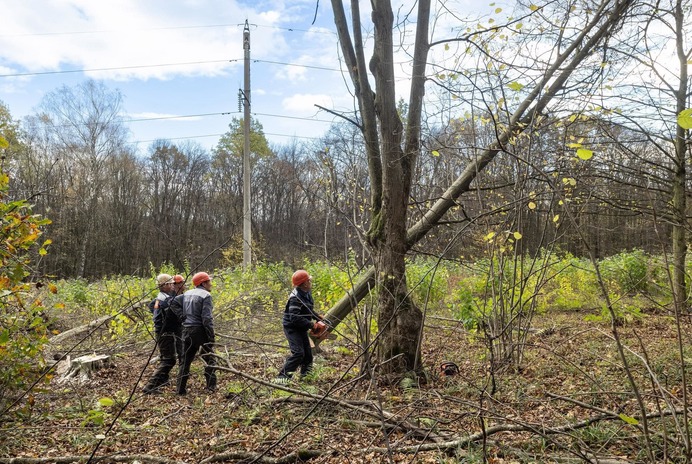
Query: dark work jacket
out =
(164, 320)
(299, 312)
(194, 308)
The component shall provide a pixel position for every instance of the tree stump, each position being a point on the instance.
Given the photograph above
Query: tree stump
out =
(83, 367)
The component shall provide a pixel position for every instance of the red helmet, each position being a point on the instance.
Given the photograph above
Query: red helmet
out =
(300, 277)
(199, 278)
(178, 279)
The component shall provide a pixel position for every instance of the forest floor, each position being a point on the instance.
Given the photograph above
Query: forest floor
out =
(571, 400)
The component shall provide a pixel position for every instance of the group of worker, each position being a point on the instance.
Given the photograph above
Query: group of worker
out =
(184, 326)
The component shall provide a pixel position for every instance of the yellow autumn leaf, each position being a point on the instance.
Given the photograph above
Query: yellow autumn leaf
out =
(490, 236)
(517, 236)
(435, 153)
(556, 218)
(685, 118)
(628, 419)
(532, 205)
(584, 154)
(533, 7)
(498, 10)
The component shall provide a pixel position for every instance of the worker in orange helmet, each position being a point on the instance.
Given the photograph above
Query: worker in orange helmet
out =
(299, 317)
(195, 307)
(179, 284)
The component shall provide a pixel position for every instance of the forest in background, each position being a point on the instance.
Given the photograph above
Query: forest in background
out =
(116, 212)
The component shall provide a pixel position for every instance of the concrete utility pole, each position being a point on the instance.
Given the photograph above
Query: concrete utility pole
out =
(247, 216)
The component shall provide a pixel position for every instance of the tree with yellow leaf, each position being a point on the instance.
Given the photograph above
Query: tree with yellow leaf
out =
(22, 328)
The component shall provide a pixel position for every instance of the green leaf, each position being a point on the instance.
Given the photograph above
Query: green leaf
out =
(628, 419)
(685, 118)
(574, 145)
(435, 153)
(584, 154)
(106, 401)
(516, 86)
(4, 336)
(3, 142)
(533, 7)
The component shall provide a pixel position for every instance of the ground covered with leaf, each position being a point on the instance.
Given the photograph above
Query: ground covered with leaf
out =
(571, 400)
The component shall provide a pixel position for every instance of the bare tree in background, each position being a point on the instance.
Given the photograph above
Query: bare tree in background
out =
(80, 128)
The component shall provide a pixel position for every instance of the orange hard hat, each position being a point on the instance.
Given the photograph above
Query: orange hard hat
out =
(199, 278)
(300, 277)
(178, 278)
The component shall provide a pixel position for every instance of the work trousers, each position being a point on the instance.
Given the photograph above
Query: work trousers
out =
(301, 353)
(170, 348)
(196, 339)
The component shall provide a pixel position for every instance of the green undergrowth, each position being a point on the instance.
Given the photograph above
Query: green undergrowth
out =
(635, 282)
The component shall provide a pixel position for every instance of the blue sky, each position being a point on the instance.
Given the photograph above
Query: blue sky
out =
(178, 58)
(175, 59)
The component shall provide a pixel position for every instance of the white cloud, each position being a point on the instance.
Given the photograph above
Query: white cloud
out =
(305, 103)
(130, 34)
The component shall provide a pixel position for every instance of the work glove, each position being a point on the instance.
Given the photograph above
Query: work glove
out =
(211, 337)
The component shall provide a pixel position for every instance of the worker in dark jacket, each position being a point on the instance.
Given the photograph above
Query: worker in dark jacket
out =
(195, 307)
(168, 333)
(299, 317)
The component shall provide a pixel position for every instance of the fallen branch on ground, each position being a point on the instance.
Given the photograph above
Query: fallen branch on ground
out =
(376, 412)
(144, 458)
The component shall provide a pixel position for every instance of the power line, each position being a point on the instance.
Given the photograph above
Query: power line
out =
(225, 113)
(292, 117)
(183, 116)
(67, 71)
(298, 65)
(207, 26)
(110, 31)
(220, 135)
(188, 63)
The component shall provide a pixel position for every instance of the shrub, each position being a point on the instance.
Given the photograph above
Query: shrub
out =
(23, 330)
(427, 281)
(626, 271)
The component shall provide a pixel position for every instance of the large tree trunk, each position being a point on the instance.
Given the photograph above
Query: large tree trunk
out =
(390, 166)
